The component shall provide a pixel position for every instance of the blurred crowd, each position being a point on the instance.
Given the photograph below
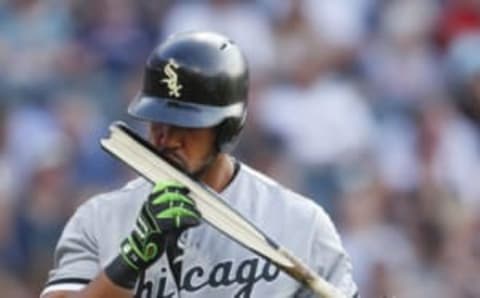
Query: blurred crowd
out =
(370, 107)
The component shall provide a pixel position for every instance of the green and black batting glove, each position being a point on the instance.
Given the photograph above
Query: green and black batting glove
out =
(168, 211)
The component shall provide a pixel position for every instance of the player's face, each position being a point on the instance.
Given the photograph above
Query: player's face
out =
(190, 148)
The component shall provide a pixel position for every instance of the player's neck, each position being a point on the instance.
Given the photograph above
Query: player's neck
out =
(220, 173)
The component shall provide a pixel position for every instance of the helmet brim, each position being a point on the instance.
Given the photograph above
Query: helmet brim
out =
(180, 113)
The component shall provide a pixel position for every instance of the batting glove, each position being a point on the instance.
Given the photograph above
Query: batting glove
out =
(168, 211)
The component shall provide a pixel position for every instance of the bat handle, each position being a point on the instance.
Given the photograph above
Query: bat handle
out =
(173, 253)
(324, 289)
(309, 278)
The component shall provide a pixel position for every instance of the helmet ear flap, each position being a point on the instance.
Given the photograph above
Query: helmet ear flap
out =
(228, 133)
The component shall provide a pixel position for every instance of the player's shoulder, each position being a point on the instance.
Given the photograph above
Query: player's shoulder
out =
(261, 183)
(292, 207)
(258, 179)
(124, 195)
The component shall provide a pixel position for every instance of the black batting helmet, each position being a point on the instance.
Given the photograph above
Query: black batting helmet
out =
(196, 79)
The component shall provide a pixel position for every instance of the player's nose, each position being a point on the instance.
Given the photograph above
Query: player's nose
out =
(166, 136)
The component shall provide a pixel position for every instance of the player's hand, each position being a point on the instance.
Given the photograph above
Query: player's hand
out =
(167, 211)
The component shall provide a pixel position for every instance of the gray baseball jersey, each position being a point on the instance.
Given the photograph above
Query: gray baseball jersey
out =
(212, 264)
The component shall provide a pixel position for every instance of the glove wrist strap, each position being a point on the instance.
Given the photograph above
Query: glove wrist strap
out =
(121, 274)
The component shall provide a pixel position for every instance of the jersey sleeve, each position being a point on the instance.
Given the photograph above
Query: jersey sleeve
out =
(330, 258)
(76, 255)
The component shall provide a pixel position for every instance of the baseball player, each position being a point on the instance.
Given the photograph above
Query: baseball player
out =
(148, 240)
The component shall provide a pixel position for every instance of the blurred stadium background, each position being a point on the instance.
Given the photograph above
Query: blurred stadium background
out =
(371, 107)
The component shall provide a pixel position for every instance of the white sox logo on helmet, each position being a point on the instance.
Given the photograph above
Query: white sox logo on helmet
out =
(171, 80)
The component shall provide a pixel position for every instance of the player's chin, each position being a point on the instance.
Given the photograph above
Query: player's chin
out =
(177, 162)
(194, 168)
(189, 168)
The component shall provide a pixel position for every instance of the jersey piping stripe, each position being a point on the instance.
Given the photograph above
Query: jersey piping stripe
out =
(82, 281)
(63, 287)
